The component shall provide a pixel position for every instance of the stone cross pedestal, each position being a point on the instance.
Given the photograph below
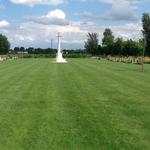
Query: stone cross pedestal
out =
(59, 57)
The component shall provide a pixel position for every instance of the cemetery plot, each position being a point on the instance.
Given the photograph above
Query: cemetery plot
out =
(86, 104)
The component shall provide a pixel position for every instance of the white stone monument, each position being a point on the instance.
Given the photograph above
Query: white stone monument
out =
(59, 57)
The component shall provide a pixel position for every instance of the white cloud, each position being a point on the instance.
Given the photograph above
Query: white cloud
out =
(128, 30)
(4, 24)
(20, 37)
(121, 10)
(55, 17)
(39, 30)
(37, 2)
(56, 14)
(74, 34)
(39, 35)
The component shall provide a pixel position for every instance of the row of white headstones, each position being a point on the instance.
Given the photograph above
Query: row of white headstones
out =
(4, 58)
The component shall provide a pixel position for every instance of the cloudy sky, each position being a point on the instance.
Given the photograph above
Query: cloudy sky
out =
(36, 22)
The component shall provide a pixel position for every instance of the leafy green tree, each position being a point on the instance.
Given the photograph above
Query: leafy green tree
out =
(117, 47)
(91, 45)
(100, 50)
(146, 31)
(4, 44)
(22, 49)
(108, 38)
(16, 49)
(30, 50)
(130, 48)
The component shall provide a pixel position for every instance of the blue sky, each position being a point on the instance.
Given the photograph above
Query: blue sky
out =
(35, 22)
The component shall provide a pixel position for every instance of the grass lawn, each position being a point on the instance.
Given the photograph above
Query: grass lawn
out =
(82, 105)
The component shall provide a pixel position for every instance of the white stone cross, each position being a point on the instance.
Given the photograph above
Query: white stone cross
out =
(59, 57)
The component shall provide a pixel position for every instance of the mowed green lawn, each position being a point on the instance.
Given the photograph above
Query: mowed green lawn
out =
(85, 104)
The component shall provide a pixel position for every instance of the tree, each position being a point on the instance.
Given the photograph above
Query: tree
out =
(117, 47)
(4, 44)
(108, 38)
(22, 49)
(30, 50)
(100, 50)
(146, 31)
(91, 45)
(131, 48)
(16, 49)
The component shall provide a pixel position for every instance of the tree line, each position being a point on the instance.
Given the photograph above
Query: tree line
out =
(32, 50)
(118, 46)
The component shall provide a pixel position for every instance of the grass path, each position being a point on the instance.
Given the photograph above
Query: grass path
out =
(82, 105)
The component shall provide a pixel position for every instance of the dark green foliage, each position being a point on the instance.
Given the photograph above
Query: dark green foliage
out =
(91, 45)
(117, 47)
(49, 53)
(38, 55)
(4, 44)
(111, 46)
(146, 31)
(41, 50)
(130, 48)
(74, 53)
(124, 48)
(108, 37)
(16, 49)
(32, 50)
(100, 50)
(22, 49)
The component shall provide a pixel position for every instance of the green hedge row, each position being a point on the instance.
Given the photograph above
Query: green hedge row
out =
(74, 55)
